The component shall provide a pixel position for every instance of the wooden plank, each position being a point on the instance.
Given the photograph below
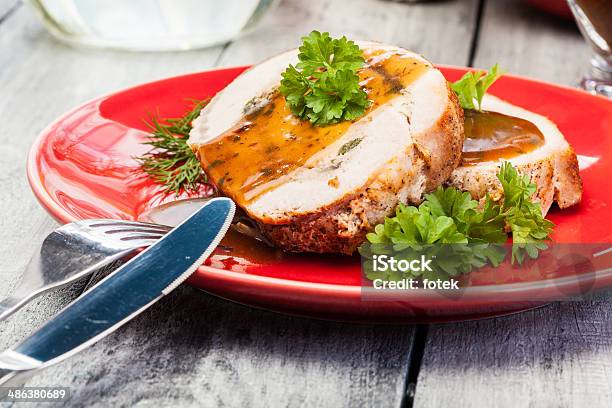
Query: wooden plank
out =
(192, 349)
(558, 355)
(528, 42)
(441, 31)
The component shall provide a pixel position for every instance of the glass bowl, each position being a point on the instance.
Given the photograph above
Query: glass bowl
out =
(149, 25)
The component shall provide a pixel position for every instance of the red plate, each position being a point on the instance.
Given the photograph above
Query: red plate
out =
(82, 166)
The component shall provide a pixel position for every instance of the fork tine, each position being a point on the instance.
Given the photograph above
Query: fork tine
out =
(134, 227)
(139, 230)
(126, 235)
(123, 224)
(141, 241)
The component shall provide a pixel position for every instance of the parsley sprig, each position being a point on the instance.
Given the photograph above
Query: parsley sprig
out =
(473, 85)
(171, 162)
(324, 86)
(450, 226)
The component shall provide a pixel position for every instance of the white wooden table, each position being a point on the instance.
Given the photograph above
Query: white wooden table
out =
(192, 349)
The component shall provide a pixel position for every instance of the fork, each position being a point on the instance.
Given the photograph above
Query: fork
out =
(76, 250)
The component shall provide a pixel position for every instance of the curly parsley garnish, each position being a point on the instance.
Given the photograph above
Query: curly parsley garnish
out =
(473, 85)
(324, 86)
(449, 217)
(530, 230)
(171, 162)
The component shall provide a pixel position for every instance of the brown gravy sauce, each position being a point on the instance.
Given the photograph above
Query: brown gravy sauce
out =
(492, 136)
(270, 142)
(235, 248)
(241, 247)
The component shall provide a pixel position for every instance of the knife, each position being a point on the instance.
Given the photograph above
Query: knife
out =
(123, 294)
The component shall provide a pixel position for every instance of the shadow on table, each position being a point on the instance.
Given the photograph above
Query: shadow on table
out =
(200, 349)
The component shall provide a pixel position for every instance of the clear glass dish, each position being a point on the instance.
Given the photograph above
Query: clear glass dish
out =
(594, 18)
(149, 25)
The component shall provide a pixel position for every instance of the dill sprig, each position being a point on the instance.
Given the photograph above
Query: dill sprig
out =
(171, 162)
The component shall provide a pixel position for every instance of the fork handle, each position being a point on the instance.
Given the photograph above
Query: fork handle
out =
(24, 292)
(14, 372)
(10, 305)
(10, 378)
(29, 290)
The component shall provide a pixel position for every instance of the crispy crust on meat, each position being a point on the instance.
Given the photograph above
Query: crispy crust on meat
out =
(555, 176)
(341, 227)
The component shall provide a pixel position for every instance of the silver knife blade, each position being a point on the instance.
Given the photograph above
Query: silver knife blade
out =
(126, 292)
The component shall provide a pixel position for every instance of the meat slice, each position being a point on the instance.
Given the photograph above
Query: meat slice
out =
(321, 189)
(552, 166)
